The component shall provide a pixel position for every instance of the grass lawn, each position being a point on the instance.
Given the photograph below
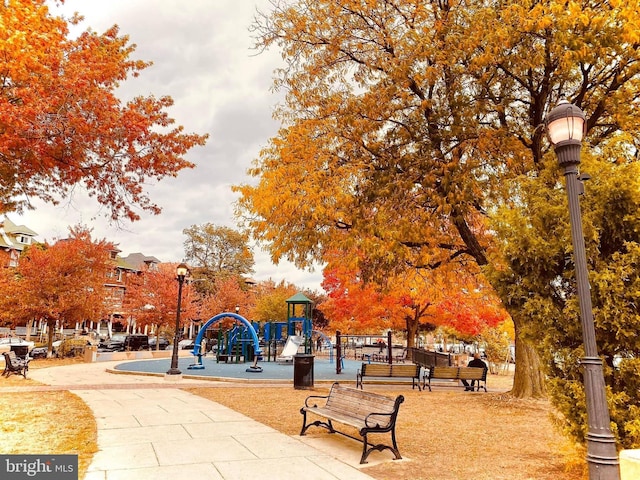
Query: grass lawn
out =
(447, 434)
(55, 422)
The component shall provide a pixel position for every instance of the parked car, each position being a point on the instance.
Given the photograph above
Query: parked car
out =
(163, 343)
(186, 344)
(136, 342)
(8, 342)
(38, 352)
(113, 344)
(122, 343)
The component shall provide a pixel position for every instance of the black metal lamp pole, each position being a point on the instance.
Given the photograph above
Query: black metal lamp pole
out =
(566, 128)
(181, 273)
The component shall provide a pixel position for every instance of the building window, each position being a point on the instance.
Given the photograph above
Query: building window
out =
(13, 258)
(25, 240)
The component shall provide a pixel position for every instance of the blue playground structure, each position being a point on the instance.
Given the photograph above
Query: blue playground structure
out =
(299, 311)
(242, 339)
(245, 334)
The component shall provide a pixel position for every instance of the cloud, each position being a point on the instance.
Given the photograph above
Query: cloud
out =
(202, 57)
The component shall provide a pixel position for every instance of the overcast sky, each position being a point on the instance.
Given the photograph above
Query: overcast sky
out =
(202, 55)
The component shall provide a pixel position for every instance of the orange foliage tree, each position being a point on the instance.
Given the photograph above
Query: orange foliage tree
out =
(152, 299)
(62, 124)
(230, 293)
(448, 296)
(470, 313)
(357, 307)
(63, 283)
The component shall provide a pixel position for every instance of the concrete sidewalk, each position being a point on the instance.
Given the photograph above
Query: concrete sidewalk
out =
(150, 428)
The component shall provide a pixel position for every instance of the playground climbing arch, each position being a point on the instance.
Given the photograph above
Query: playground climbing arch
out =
(217, 318)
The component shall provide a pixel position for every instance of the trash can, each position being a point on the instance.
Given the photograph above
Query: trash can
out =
(302, 371)
(90, 353)
(20, 350)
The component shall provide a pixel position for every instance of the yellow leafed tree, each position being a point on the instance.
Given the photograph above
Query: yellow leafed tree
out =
(405, 122)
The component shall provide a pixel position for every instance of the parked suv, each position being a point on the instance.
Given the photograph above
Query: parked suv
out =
(163, 343)
(136, 342)
(120, 343)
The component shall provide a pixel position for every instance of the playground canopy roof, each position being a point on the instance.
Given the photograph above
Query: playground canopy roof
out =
(299, 298)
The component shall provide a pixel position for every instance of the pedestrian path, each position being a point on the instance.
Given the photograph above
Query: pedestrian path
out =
(151, 428)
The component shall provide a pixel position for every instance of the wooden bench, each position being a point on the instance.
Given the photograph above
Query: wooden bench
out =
(367, 412)
(389, 371)
(13, 364)
(457, 373)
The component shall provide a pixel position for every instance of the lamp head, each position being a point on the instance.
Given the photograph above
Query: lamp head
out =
(566, 127)
(181, 271)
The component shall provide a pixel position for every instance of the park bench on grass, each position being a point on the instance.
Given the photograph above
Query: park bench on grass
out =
(389, 371)
(367, 412)
(13, 364)
(457, 373)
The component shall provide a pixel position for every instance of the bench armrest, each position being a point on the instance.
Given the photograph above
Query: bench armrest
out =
(377, 424)
(306, 401)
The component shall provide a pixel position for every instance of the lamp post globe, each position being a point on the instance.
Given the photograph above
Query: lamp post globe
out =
(181, 273)
(566, 127)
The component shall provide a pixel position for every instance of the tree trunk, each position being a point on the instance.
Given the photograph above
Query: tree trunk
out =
(51, 325)
(528, 381)
(412, 330)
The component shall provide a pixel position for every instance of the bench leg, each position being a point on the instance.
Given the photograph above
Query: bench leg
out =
(415, 383)
(317, 423)
(380, 447)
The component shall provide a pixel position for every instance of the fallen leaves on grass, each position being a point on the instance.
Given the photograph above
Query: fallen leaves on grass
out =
(447, 434)
(47, 423)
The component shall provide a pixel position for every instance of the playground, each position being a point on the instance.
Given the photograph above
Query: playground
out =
(228, 346)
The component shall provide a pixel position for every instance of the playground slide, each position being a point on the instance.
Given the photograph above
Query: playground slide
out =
(290, 349)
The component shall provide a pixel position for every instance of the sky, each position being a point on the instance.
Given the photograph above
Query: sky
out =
(203, 58)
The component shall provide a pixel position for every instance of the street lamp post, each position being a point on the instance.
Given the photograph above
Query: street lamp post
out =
(181, 273)
(566, 127)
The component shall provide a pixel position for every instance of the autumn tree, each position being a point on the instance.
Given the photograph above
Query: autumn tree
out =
(62, 125)
(271, 301)
(216, 253)
(231, 292)
(410, 302)
(497, 345)
(355, 307)
(152, 299)
(405, 123)
(63, 282)
(538, 271)
(9, 298)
